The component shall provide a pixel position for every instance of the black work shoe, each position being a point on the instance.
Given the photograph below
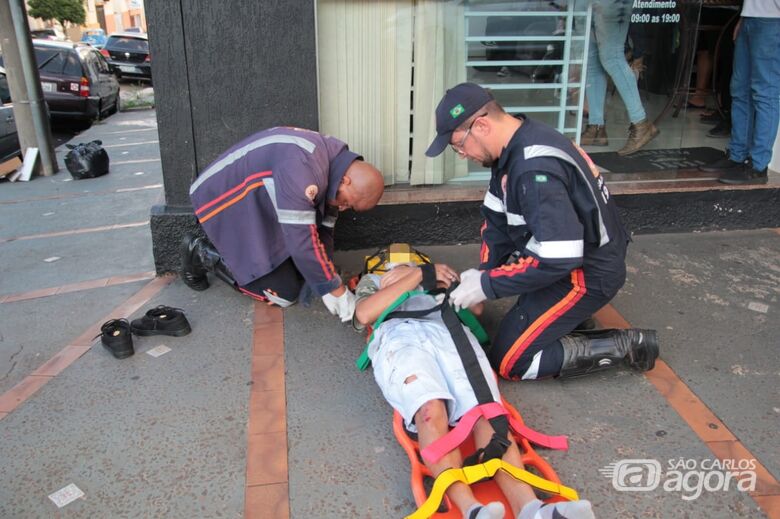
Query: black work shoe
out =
(192, 271)
(162, 320)
(723, 165)
(722, 129)
(745, 175)
(712, 117)
(116, 338)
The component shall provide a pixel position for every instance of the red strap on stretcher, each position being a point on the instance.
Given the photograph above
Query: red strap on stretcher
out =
(452, 440)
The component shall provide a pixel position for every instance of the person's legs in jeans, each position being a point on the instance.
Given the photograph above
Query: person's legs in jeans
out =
(596, 85)
(741, 105)
(611, 20)
(763, 40)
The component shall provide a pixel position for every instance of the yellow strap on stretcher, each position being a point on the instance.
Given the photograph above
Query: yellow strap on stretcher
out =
(476, 473)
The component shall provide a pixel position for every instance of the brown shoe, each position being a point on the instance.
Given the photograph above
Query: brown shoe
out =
(639, 134)
(594, 135)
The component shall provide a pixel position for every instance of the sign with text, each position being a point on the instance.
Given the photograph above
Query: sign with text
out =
(655, 11)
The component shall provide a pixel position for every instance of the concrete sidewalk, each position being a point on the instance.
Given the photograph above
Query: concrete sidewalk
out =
(261, 413)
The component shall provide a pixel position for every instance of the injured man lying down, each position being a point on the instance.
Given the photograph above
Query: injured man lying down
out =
(420, 373)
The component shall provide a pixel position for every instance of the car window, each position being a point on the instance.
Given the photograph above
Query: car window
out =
(101, 61)
(73, 65)
(127, 44)
(92, 64)
(5, 92)
(50, 60)
(58, 61)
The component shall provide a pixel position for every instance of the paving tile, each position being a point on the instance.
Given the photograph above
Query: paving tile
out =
(766, 484)
(267, 412)
(12, 398)
(267, 372)
(608, 317)
(141, 297)
(129, 278)
(699, 417)
(269, 339)
(266, 458)
(33, 294)
(264, 501)
(770, 505)
(85, 285)
(61, 360)
(265, 314)
(88, 337)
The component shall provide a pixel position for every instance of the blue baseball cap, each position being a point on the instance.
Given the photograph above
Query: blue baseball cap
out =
(458, 104)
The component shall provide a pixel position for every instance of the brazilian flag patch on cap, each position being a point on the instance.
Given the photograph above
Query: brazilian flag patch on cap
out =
(456, 111)
(541, 178)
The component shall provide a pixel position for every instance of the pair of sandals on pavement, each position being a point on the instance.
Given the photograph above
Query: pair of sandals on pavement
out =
(116, 335)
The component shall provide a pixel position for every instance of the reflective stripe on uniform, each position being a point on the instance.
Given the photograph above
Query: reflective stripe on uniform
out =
(290, 216)
(242, 151)
(541, 150)
(514, 219)
(563, 249)
(493, 203)
(533, 370)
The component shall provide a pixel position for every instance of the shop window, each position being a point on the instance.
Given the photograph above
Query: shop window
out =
(383, 66)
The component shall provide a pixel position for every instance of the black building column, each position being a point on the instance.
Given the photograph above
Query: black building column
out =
(222, 71)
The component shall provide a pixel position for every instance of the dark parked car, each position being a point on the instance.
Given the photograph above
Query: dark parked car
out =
(129, 53)
(77, 81)
(9, 140)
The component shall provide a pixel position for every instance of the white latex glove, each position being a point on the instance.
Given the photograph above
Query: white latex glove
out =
(469, 292)
(343, 305)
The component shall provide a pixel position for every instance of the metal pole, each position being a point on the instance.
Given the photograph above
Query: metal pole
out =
(34, 92)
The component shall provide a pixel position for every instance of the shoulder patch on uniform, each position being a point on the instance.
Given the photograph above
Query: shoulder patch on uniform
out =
(311, 192)
(541, 178)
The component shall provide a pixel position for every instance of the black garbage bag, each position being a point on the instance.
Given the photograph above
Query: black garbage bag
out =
(86, 160)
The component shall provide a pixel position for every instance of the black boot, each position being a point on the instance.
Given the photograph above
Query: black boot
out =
(589, 352)
(199, 257)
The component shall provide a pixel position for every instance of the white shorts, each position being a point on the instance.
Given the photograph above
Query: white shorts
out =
(424, 348)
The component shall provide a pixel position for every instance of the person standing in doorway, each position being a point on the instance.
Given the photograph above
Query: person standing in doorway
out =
(606, 56)
(755, 95)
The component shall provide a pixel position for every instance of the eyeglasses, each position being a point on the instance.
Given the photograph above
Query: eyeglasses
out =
(459, 148)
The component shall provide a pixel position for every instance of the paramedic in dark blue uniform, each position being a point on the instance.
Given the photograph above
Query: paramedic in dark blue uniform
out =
(551, 236)
(268, 206)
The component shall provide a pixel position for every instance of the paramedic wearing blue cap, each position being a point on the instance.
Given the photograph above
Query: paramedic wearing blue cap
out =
(552, 237)
(268, 206)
